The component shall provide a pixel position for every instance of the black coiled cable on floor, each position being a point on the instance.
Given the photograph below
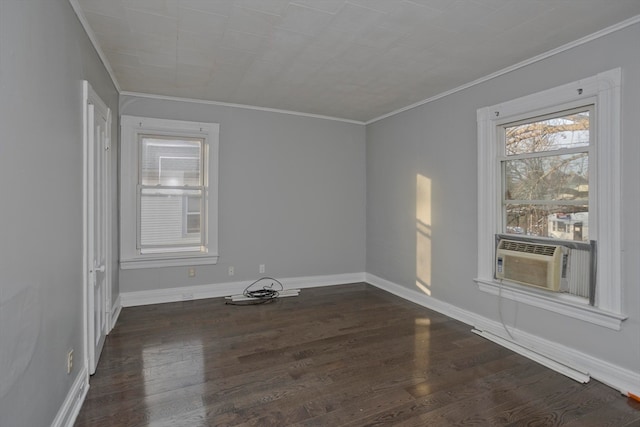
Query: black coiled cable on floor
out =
(264, 295)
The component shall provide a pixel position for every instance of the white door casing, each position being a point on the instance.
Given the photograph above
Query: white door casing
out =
(97, 289)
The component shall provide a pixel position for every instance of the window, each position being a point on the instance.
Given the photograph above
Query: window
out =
(544, 164)
(168, 192)
(548, 167)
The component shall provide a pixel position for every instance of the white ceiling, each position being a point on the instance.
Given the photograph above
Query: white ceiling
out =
(352, 59)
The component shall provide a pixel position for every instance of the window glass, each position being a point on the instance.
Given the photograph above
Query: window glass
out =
(162, 223)
(170, 161)
(171, 188)
(566, 222)
(193, 213)
(545, 175)
(555, 133)
(563, 177)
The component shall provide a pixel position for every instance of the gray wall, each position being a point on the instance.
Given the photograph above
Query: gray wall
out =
(438, 141)
(44, 56)
(291, 195)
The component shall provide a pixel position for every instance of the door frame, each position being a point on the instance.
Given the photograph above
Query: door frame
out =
(89, 97)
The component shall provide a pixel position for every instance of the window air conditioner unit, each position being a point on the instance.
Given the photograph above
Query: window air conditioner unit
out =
(530, 264)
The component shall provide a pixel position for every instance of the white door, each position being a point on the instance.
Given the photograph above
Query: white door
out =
(97, 127)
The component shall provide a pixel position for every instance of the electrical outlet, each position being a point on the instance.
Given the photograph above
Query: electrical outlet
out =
(232, 270)
(191, 272)
(69, 361)
(262, 268)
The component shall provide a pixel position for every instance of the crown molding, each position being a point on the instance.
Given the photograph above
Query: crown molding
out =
(594, 36)
(94, 41)
(243, 106)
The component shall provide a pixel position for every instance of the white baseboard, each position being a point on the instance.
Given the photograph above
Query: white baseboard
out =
(422, 299)
(70, 408)
(529, 345)
(518, 346)
(116, 308)
(188, 293)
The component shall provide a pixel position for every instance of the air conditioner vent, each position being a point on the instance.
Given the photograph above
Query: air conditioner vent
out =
(529, 248)
(529, 264)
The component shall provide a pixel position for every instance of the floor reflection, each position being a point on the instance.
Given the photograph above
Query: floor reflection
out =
(163, 367)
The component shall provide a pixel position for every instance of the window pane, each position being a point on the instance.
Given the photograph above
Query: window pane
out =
(170, 161)
(568, 131)
(193, 204)
(564, 177)
(192, 214)
(162, 218)
(193, 223)
(555, 221)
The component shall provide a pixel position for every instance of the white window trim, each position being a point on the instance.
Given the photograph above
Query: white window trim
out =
(604, 90)
(131, 127)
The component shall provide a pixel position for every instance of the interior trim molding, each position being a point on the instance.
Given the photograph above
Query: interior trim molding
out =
(116, 308)
(168, 262)
(422, 299)
(216, 290)
(553, 303)
(70, 408)
(574, 374)
(619, 378)
(243, 106)
(531, 346)
(594, 36)
(94, 41)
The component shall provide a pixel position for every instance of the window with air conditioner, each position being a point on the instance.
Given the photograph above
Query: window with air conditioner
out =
(544, 187)
(168, 192)
(548, 196)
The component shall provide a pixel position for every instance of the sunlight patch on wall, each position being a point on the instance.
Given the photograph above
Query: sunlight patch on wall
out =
(423, 234)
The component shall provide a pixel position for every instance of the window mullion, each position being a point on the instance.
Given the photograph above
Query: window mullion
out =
(546, 202)
(554, 153)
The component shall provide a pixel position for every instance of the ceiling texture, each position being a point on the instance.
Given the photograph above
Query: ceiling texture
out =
(351, 59)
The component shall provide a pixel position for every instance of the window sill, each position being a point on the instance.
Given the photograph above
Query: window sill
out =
(557, 303)
(168, 261)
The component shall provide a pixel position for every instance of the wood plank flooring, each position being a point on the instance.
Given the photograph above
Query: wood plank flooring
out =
(349, 355)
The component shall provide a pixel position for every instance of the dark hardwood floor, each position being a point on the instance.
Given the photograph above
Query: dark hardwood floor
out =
(348, 355)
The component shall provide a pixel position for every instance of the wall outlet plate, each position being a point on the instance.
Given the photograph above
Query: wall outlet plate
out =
(69, 361)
